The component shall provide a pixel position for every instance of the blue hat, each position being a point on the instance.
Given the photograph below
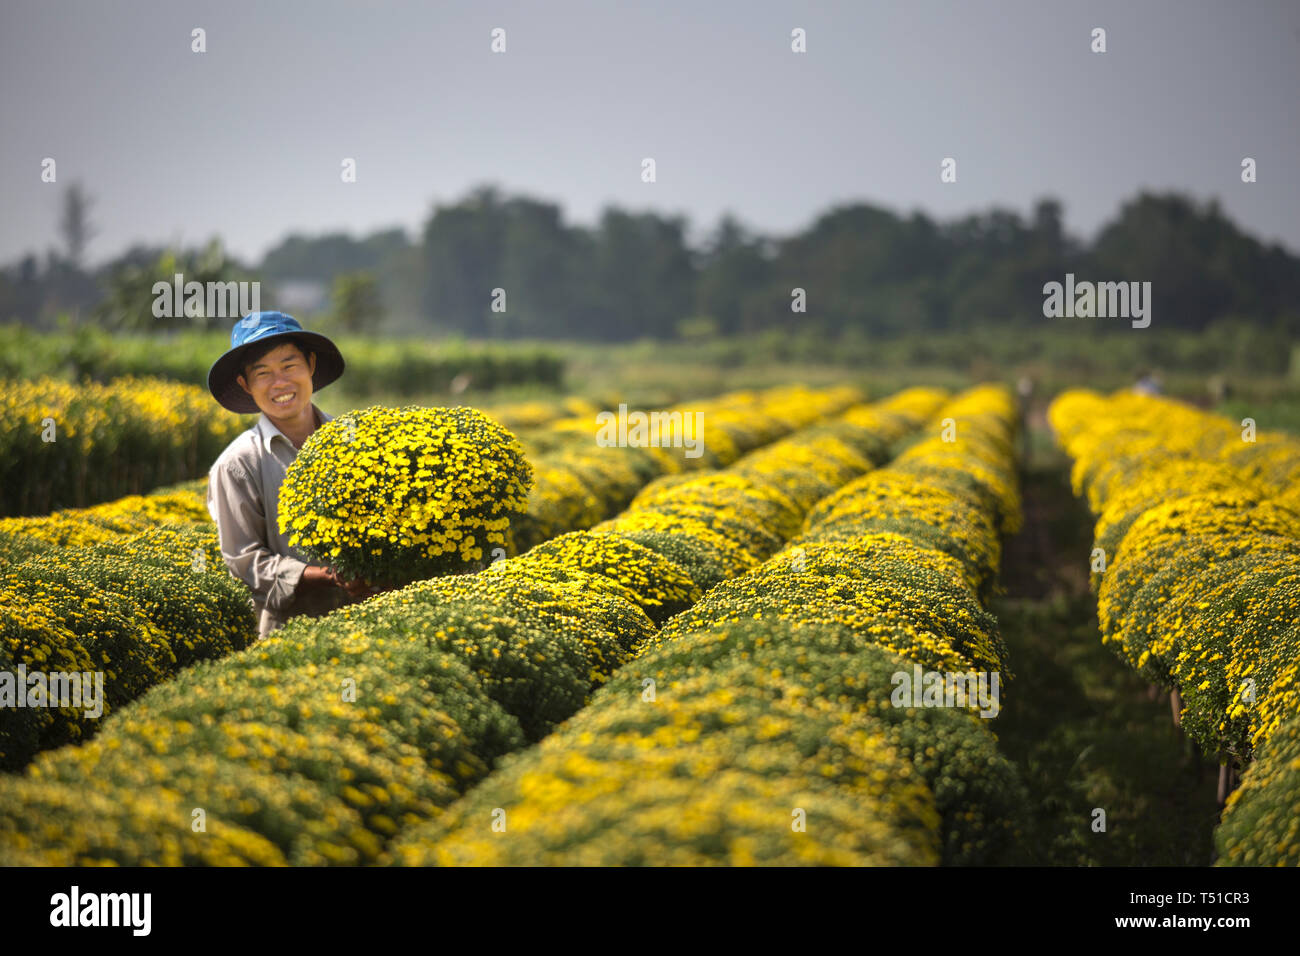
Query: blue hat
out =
(254, 329)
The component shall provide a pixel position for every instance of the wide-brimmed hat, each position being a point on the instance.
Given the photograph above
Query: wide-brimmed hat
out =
(254, 329)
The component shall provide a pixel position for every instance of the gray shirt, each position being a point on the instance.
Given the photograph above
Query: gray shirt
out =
(243, 494)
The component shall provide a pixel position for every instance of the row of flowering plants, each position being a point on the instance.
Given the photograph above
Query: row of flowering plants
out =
(321, 743)
(118, 617)
(535, 413)
(1196, 567)
(183, 503)
(762, 725)
(67, 445)
(399, 495)
(578, 483)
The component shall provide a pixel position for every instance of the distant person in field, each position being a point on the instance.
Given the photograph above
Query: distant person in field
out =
(1024, 399)
(1148, 383)
(273, 366)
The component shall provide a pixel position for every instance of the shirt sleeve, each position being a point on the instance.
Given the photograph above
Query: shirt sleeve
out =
(235, 503)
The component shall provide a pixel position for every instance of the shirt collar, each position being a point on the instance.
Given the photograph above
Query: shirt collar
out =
(267, 430)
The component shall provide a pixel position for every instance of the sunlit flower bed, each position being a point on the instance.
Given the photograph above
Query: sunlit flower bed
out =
(21, 538)
(135, 609)
(320, 743)
(64, 445)
(748, 727)
(181, 536)
(1199, 530)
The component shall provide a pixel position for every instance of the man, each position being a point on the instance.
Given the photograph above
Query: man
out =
(273, 366)
(1148, 383)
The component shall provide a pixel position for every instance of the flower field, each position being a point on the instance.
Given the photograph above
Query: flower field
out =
(770, 698)
(77, 584)
(609, 474)
(1197, 575)
(449, 674)
(628, 656)
(575, 484)
(404, 368)
(183, 503)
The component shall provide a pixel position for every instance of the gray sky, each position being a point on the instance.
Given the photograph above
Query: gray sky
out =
(246, 140)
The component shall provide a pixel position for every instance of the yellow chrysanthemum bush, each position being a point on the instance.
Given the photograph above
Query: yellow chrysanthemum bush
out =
(393, 495)
(533, 652)
(883, 586)
(1200, 542)
(578, 483)
(1199, 529)
(613, 564)
(954, 491)
(31, 637)
(1203, 596)
(312, 748)
(848, 600)
(418, 689)
(719, 525)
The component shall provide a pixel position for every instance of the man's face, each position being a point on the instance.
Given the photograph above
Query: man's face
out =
(280, 381)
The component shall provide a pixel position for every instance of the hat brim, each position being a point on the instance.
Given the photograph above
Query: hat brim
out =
(223, 376)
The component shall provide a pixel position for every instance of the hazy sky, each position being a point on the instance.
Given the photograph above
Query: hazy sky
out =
(246, 140)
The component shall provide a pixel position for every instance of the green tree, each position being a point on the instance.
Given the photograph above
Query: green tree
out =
(132, 291)
(358, 306)
(74, 223)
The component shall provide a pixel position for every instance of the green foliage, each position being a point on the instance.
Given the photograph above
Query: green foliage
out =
(357, 304)
(130, 298)
(391, 366)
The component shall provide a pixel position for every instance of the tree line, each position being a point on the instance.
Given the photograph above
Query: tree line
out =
(497, 266)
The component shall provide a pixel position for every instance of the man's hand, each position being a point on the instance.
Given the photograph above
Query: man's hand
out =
(315, 574)
(329, 576)
(356, 589)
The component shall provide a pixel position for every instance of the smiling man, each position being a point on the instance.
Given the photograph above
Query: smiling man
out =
(273, 366)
